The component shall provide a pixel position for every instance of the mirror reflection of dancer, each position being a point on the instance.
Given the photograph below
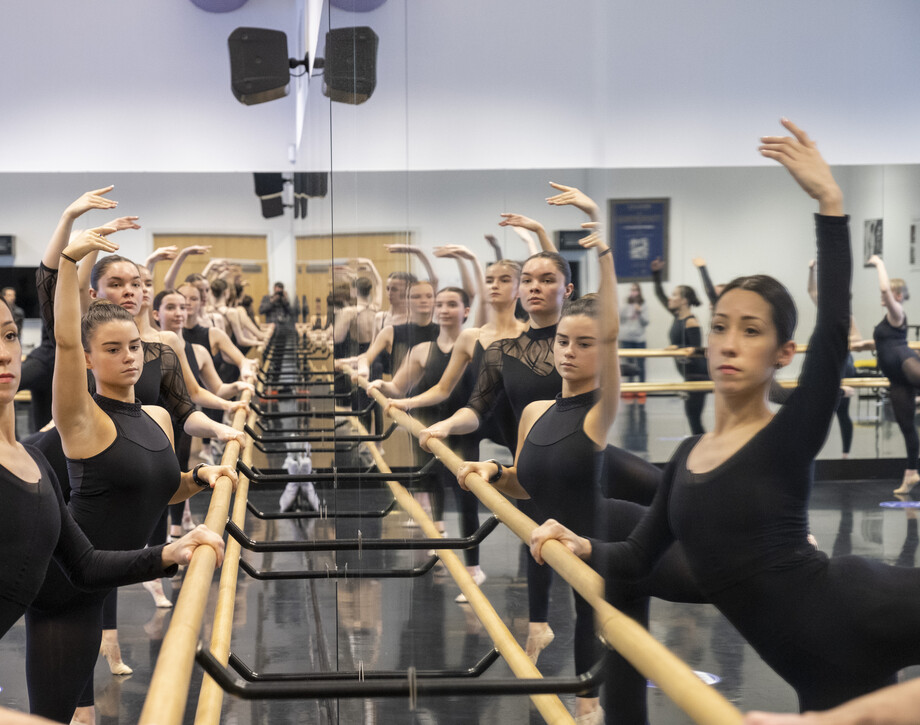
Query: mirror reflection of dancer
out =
(684, 332)
(453, 388)
(901, 366)
(737, 498)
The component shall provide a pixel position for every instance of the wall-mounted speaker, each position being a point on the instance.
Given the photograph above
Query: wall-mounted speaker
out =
(259, 66)
(350, 70)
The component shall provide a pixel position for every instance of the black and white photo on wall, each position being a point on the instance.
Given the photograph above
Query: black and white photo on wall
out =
(872, 239)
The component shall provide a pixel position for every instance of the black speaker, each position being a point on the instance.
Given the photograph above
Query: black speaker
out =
(311, 183)
(259, 66)
(269, 188)
(350, 70)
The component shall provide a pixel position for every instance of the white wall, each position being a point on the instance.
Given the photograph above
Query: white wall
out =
(145, 85)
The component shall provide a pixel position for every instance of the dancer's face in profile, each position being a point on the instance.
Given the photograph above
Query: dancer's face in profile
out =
(172, 313)
(421, 299)
(121, 284)
(501, 283)
(543, 288)
(449, 310)
(575, 348)
(676, 299)
(147, 282)
(115, 354)
(743, 349)
(10, 356)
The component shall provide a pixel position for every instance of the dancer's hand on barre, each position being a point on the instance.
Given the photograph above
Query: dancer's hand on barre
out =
(180, 551)
(236, 405)
(403, 404)
(552, 529)
(862, 345)
(569, 195)
(225, 434)
(434, 431)
(484, 469)
(212, 473)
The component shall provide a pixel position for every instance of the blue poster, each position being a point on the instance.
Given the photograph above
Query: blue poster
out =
(638, 234)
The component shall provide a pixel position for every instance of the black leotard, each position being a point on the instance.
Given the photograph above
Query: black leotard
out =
(520, 370)
(892, 350)
(559, 466)
(117, 497)
(834, 629)
(38, 527)
(407, 336)
(902, 368)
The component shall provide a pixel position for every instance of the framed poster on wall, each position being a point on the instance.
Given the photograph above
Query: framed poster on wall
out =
(872, 239)
(638, 234)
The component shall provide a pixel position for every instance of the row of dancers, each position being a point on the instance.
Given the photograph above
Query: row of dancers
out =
(726, 522)
(122, 372)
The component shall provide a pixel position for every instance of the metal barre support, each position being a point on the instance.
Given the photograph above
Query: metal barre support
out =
(274, 515)
(264, 575)
(336, 438)
(247, 674)
(467, 542)
(256, 477)
(423, 686)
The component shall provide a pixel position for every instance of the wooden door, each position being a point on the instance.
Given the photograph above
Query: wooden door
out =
(249, 251)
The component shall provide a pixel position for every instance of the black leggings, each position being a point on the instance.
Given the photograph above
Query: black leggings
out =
(61, 652)
(903, 404)
(846, 423)
(693, 407)
(468, 509)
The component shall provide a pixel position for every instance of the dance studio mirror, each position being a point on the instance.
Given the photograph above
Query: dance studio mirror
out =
(740, 220)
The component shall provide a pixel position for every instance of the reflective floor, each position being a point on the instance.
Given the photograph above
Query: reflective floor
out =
(326, 624)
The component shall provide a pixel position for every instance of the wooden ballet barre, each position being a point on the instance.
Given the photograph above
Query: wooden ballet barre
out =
(625, 635)
(705, 386)
(169, 686)
(211, 696)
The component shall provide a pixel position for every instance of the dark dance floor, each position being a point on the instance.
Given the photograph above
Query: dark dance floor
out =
(391, 624)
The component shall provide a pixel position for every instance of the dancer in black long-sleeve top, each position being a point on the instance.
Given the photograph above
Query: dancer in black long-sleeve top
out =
(39, 526)
(737, 498)
(685, 332)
